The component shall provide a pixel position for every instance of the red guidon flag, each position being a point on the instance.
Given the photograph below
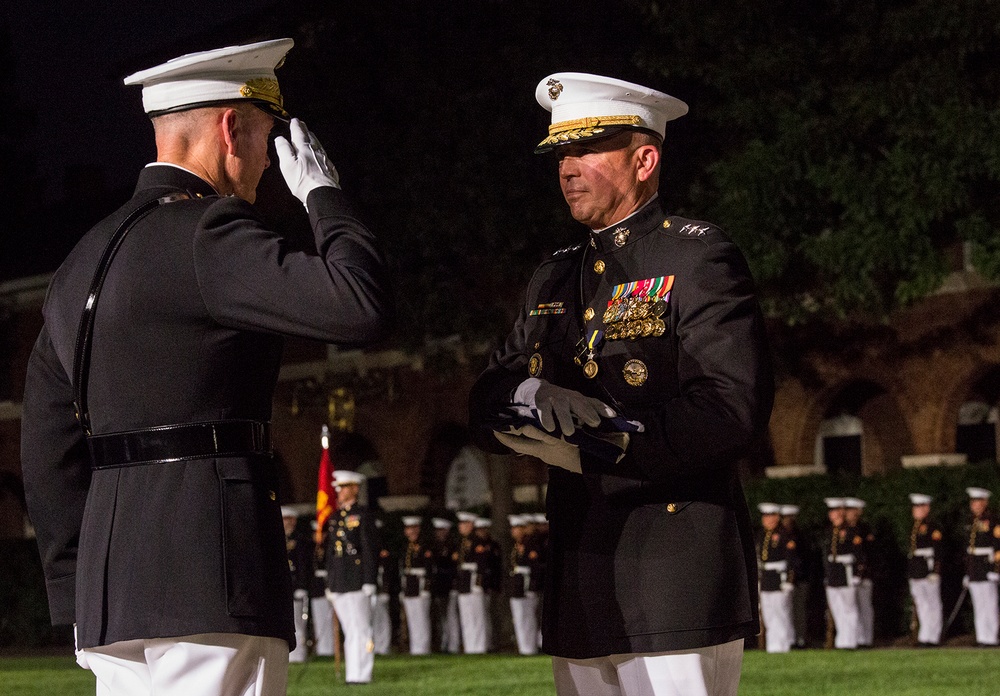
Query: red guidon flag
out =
(326, 498)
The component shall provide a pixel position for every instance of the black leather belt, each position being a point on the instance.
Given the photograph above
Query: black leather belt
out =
(171, 443)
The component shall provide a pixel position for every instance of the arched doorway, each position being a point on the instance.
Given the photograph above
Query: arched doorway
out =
(976, 430)
(863, 431)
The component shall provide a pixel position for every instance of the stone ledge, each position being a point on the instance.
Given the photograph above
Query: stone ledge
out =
(780, 472)
(919, 461)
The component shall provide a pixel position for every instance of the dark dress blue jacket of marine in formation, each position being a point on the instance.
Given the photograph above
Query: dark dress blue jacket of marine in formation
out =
(925, 552)
(352, 549)
(982, 556)
(656, 552)
(188, 329)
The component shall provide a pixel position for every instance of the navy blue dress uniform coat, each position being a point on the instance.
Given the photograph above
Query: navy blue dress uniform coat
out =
(188, 329)
(352, 549)
(926, 550)
(982, 556)
(655, 552)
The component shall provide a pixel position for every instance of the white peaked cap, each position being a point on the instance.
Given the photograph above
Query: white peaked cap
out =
(978, 493)
(412, 521)
(464, 516)
(920, 499)
(857, 503)
(517, 520)
(588, 106)
(233, 73)
(789, 510)
(834, 503)
(441, 523)
(288, 511)
(342, 477)
(769, 508)
(482, 522)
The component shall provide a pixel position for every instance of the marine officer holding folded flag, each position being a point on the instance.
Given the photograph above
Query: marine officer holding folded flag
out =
(145, 438)
(638, 370)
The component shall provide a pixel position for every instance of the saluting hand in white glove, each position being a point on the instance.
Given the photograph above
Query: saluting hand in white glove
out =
(559, 404)
(303, 162)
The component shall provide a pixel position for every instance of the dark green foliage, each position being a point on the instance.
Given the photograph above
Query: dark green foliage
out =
(848, 147)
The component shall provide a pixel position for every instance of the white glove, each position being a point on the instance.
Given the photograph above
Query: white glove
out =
(855, 581)
(81, 656)
(565, 405)
(331, 596)
(303, 162)
(537, 443)
(369, 589)
(993, 577)
(787, 587)
(300, 594)
(934, 577)
(965, 581)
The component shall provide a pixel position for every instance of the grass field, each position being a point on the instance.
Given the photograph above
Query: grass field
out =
(942, 672)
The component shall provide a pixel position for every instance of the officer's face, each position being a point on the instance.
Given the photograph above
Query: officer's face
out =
(289, 523)
(599, 180)
(920, 512)
(465, 528)
(412, 533)
(347, 493)
(853, 515)
(836, 516)
(770, 522)
(977, 505)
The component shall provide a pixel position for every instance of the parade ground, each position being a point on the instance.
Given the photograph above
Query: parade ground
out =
(879, 672)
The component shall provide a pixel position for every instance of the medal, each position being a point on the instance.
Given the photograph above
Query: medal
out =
(635, 373)
(590, 369)
(535, 365)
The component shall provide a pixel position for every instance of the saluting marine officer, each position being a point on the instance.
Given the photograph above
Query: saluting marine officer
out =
(417, 564)
(982, 563)
(145, 438)
(778, 560)
(637, 368)
(923, 570)
(840, 556)
(351, 572)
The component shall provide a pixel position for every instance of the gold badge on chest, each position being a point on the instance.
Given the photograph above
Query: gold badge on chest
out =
(535, 365)
(635, 372)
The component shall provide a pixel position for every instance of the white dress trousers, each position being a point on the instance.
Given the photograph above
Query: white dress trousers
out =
(843, 603)
(711, 671)
(451, 626)
(206, 664)
(926, 593)
(984, 608)
(866, 613)
(418, 622)
(524, 612)
(322, 621)
(354, 611)
(382, 625)
(779, 629)
(473, 611)
(301, 651)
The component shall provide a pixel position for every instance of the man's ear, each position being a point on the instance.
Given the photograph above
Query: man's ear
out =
(647, 159)
(230, 125)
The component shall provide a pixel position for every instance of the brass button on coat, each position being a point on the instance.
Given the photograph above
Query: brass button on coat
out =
(589, 314)
(598, 266)
(671, 507)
